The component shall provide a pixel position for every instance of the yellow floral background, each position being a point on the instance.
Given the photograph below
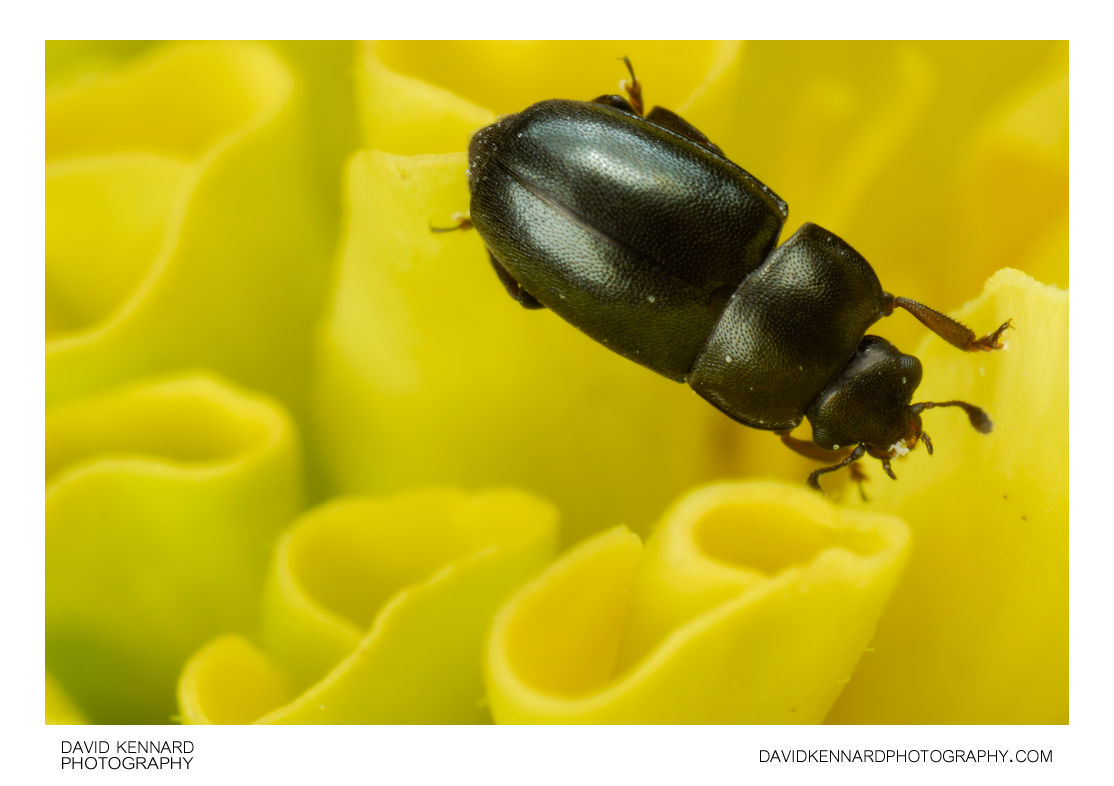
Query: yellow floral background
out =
(306, 462)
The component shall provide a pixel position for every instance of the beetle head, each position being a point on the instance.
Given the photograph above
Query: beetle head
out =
(868, 403)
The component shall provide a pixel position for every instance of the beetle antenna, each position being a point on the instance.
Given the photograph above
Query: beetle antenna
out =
(633, 88)
(978, 417)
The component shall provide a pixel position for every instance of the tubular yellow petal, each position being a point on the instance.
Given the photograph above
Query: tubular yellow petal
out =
(430, 97)
(751, 603)
(429, 371)
(176, 186)
(162, 498)
(403, 114)
(229, 681)
(977, 631)
(376, 611)
(105, 218)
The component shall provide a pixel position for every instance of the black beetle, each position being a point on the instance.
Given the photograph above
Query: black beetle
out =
(641, 233)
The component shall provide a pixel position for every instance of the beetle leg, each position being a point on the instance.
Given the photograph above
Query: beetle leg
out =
(809, 449)
(514, 289)
(632, 104)
(855, 455)
(463, 221)
(633, 88)
(955, 333)
(813, 451)
(666, 118)
(858, 475)
(927, 442)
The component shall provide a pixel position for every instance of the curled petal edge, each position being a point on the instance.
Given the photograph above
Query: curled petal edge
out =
(751, 603)
(375, 612)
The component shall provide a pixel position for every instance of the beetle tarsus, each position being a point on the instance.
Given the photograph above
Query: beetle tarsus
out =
(989, 342)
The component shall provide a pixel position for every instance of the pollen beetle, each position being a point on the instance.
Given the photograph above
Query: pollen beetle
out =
(639, 231)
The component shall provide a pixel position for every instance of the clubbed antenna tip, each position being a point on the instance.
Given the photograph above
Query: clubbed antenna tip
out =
(978, 417)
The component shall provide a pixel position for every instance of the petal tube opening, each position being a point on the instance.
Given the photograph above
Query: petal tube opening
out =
(714, 620)
(162, 499)
(375, 611)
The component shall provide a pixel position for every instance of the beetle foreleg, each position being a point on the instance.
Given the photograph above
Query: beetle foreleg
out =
(855, 455)
(955, 333)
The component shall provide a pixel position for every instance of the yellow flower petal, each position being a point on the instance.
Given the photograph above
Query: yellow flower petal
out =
(978, 629)
(939, 161)
(230, 681)
(60, 709)
(71, 62)
(105, 219)
(162, 499)
(430, 97)
(430, 373)
(183, 226)
(1015, 181)
(402, 114)
(375, 613)
(750, 604)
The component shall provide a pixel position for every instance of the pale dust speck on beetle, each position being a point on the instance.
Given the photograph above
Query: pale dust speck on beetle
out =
(640, 232)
